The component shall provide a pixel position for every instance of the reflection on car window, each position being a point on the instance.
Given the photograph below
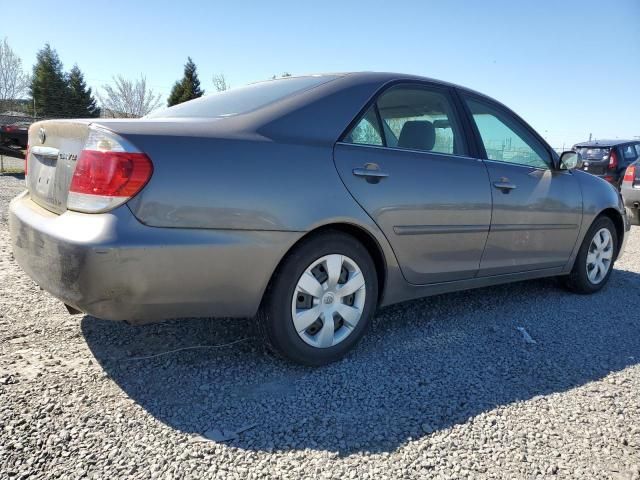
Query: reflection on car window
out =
(366, 131)
(505, 139)
(420, 119)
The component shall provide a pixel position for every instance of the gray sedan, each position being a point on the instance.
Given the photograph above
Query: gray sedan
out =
(306, 202)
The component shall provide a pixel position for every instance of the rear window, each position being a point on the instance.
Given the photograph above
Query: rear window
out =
(596, 153)
(242, 99)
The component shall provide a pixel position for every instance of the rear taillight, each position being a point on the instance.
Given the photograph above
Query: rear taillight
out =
(109, 172)
(629, 174)
(613, 159)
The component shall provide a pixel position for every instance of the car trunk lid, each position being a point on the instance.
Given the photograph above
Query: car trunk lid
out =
(54, 147)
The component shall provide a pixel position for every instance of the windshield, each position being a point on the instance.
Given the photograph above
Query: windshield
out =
(242, 99)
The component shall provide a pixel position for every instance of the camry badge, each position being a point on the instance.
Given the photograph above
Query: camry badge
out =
(42, 135)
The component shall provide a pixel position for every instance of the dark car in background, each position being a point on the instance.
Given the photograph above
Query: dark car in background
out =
(13, 139)
(630, 190)
(607, 159)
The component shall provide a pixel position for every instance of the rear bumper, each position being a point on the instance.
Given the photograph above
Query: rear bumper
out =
(631, 197)
(113, 267)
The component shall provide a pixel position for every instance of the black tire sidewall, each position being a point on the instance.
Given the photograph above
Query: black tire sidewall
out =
(279, 327)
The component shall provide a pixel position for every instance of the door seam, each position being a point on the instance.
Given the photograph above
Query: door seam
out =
(486, 240)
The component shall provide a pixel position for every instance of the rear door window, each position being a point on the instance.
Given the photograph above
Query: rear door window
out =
(420, 118)
(413, 117)
(366, 131)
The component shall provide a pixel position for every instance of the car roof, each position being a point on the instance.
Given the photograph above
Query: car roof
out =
(372, 81)
(355, 90)
(385, 77)
(333, 105)
(604, 143)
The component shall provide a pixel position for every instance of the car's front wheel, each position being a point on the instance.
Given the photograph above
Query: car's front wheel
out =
(321, 299)
(595, 258)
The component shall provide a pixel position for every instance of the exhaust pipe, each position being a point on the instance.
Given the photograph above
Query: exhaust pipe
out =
(72, 310)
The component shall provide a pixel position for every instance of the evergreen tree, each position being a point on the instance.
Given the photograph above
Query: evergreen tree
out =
(175, 95)
(49, 90)
(188, 88)
(284, 75)
(81, 103)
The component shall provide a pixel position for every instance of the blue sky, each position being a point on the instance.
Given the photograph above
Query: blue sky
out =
(550, 61)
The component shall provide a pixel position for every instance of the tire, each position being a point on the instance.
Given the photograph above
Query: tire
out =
(313, 345)
(579, 280)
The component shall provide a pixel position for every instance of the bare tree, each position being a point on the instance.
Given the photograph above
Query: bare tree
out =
(14, 82)
(128, 98)
(220, 82)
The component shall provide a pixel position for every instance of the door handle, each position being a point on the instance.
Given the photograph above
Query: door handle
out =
(371, 172)
(504, 185)
(363, 172)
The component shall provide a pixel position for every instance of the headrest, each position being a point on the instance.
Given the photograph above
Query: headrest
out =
(418, 135)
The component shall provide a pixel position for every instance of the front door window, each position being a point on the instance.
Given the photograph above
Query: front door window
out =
(505, 139)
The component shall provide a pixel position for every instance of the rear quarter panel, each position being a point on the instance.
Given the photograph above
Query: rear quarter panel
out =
(251, 184)
(240, 184)
(249, 172)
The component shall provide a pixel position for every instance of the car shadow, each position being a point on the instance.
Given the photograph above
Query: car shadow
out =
(426, 365)
(17, 175)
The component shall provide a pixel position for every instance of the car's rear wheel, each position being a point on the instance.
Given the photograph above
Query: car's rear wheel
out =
(321, 299)
(594, 263)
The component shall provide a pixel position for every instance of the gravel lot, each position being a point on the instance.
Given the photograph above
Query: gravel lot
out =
(445, 387)
(12, 164)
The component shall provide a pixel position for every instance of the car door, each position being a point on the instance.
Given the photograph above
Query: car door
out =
(406, 162)
(537, 209)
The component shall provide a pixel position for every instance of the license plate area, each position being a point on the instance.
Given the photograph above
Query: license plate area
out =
(594, 169)
(43, 178)
(45, 174)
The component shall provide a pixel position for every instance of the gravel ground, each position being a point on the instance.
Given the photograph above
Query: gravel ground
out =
(445, 387)
(11, 163)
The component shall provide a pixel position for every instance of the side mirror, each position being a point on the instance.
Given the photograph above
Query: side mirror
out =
(569, 160)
